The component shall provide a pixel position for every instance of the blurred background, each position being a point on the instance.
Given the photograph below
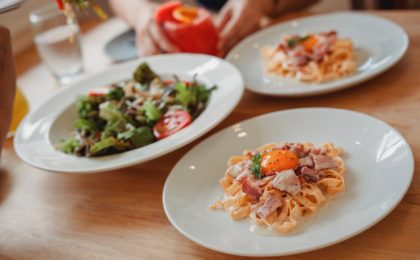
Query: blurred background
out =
(17, 21)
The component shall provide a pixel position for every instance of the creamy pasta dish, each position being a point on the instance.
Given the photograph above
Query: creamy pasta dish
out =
(277, 186)
(312, 58)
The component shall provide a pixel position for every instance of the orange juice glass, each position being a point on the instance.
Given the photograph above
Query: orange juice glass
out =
(20, 109)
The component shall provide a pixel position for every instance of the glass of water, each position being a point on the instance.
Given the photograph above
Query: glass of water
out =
(58, 42)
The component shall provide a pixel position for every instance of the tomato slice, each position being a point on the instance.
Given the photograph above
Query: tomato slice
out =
(170, 123)
(168, 81)
(98, 92)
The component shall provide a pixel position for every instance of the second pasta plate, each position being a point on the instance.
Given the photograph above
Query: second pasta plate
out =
(377, 173)
(378, 46)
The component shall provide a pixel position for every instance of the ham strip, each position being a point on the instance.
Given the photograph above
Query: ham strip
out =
(239, 168)
(306, 161)
(241, 177)
(310, 175)
(266, 180)
(323, 162)
(270, 205)
(287, 181)
(250, 187)
(299, 150)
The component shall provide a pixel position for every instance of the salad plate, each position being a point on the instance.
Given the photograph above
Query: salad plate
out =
(379, 169)
(377, 47)
(40, 133)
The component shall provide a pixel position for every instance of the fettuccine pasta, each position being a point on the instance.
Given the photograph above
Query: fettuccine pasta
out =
(277, 186)
(313, 58)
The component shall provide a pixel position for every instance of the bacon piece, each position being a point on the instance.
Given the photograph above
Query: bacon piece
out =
(299, 60)
(306, 161)
(236, 169)
(315, 151)
(256, 206)
(266, 180)
(285, 146)
(323, 162)
(250, 187)
(270, 205)
(309, 175)
(299, 150)
(287, 181)
(281, 47)
(330, 33)
(241, 177)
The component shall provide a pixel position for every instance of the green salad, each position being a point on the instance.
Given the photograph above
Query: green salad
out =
(134, 113)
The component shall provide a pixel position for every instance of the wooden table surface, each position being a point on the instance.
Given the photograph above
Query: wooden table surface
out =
(119, 214)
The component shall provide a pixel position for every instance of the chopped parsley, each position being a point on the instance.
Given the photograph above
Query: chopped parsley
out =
(256, 166)
(296, 41)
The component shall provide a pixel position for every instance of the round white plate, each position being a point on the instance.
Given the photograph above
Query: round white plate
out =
(8, 5)
(53, 121)
(379, 165)
(379, 44)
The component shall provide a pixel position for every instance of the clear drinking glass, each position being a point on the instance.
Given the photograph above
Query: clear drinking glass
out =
(58, 42)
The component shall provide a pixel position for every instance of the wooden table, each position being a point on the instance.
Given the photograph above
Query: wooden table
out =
(119, 214)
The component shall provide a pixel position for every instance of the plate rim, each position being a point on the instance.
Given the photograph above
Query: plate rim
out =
(336, 87)
(170, 149)
(297, 251)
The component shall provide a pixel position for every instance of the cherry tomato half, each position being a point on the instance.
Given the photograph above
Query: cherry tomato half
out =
(170, 123)
(98, 92)
(170, 81)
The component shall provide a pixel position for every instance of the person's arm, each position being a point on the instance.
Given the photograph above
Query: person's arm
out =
(239, 18)
(7, 83)
(150, 38)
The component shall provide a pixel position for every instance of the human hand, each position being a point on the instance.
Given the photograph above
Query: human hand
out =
(7, 82)
(238, 19)
(150, 37)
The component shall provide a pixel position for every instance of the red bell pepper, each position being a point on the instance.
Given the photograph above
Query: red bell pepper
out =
(195, 33)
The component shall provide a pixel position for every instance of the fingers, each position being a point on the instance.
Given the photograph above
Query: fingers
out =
(237, 28)
(161, 39)
(151, 40)
(227, 34)
(223, 18)
(145, 44)
(248, 28)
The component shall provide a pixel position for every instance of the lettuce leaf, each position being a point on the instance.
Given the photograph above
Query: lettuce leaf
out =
(138, 136)
(110, 112)
(144, 74)
(107, 143)
(69, 146)
(87, 125)
(151, 111)
(183, 95)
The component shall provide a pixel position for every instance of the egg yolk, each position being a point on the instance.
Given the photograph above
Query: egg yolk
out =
(185, 14)
(278, 160)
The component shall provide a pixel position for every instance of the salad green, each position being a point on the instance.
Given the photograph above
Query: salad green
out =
(134, 113)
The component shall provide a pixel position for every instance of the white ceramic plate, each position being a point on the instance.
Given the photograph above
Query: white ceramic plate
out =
(379, 165)
(8, 5)
(379, 44)
(53, 121)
